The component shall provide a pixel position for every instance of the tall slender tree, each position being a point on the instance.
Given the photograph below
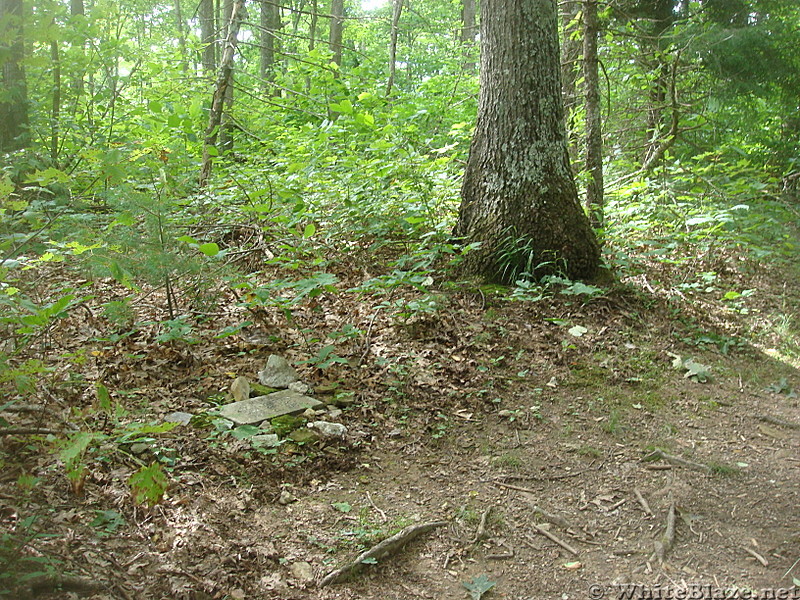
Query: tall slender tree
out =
(519, 199)
(594, 132)
(336, 30)
(270, 25)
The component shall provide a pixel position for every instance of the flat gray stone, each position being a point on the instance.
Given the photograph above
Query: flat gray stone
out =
(278, 373)
(262, 408)
(178, 417)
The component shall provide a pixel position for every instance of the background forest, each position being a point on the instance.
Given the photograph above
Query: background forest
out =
(187, 188)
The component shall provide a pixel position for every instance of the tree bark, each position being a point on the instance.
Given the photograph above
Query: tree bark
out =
(468, 32)
(397, 11)
(208, 36)
(14, 106)
(594, 131)
(519, 198)
(337, 30)
(224, 81)
(270, 24)
(226, 126)
(570, 59)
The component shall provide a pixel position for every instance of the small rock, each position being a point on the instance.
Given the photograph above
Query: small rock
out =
(268, 439)
(329, 430)
(302, 571)
(261, 408)
(240, 389)
(300, 387)
(304, 436)
(309, 413)
(286, 498)
(344, 399)
(139, 448)
(178, 417)
(278, 373)
(334, 413)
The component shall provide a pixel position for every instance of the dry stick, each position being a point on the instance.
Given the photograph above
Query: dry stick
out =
(757, 556)
(379, 551)
(514, 487)
(675, 460)
(27, 431)
(643, 502)
(551, 518)
(779, 421)
(664, 545)
(553, 538)
(481, 532)
(379, 511)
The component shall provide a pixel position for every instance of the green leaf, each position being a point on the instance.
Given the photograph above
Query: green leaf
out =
(478, 586)
(148, 484)
(103, 397)
(309, 231)
(210, 249)
(245, 431)
(342, 507)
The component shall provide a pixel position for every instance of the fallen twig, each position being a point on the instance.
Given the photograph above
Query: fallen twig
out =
(379, 551)
(643, 502)
(551, 518)
(378, 510)
(664, 545)
(778, 421)
(26, 431)
(481, 531)
(555, 539)
(676, 460)
(757, 556)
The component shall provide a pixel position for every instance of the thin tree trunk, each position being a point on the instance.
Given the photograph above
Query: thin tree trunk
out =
(181, 35)
(398, 10)
(468, 32)
(55, 111)
(226, 126)
(570, 58)
(594, 132)
(312, 28)
(208, 36)
(337, 29)
(519, 199)
(224, 80)
(76, 9)
(270, 24)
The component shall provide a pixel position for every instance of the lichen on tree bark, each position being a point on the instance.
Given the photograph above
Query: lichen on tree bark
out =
(519, 199)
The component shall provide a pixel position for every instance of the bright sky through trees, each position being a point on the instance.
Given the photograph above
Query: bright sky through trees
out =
(372, 4)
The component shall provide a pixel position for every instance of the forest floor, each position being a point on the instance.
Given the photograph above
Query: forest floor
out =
(507, 420)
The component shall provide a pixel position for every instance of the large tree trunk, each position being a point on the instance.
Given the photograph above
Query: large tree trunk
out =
(14, 105)
(519, 198)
